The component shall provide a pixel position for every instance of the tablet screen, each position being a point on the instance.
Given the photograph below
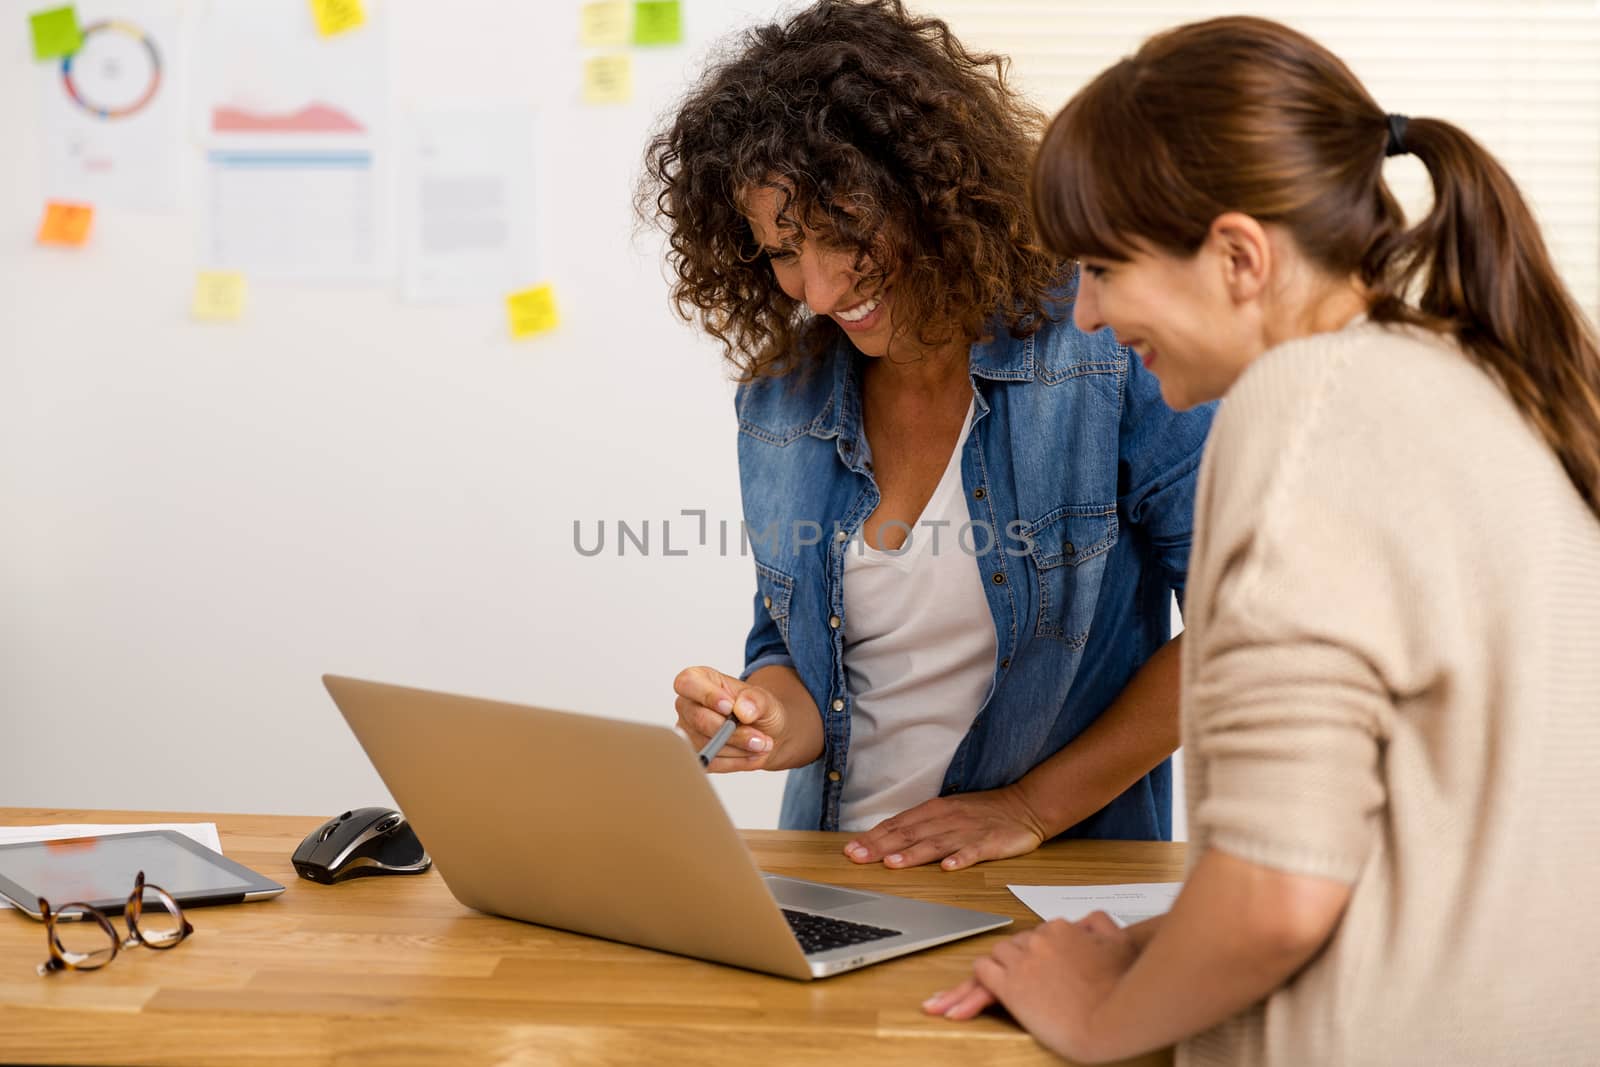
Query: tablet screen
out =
(100, 871)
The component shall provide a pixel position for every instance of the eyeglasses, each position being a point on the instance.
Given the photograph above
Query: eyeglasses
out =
(91, 940)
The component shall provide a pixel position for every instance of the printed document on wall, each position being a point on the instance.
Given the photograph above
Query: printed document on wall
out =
(111, 122)
(468, 204)
(293, 124)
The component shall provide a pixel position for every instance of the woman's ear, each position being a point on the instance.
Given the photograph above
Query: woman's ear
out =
(1242, 249)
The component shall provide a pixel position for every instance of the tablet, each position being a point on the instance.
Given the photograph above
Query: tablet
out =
(99, 871)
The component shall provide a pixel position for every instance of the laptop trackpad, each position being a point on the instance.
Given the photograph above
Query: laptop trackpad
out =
(812, 896)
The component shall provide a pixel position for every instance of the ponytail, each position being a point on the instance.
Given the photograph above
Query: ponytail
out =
(1479, 270)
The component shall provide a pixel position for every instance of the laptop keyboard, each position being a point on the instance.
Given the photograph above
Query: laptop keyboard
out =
(818, 933)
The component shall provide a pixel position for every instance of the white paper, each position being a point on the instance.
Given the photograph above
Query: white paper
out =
(112, 125)
(467, 205)
(1127, 904)
(295, 162)
(204, 833)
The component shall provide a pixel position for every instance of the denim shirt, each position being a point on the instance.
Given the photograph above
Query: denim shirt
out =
(1080, 485)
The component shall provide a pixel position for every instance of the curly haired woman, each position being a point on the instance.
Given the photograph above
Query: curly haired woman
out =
(968, 518)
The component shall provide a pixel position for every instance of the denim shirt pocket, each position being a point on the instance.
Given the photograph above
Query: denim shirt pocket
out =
(777, 589)
(1068, 548)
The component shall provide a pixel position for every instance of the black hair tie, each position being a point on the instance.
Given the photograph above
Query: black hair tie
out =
(1397, 137)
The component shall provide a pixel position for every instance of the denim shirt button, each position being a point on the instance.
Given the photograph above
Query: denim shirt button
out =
(999, 578)
(841, 536)
(834, 621)
(1070, 549)
(766, 602)
(833, 776)
(1005, 664)
(979, 493)
(838, 705)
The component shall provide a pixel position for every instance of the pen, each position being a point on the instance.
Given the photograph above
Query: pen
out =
(719, 739)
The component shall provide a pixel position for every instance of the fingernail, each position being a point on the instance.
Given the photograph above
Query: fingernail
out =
(931, 1001)
(855, 848)
(759, 744)
(725, 706)
(748, 708)
(894, 860)
(949, 863)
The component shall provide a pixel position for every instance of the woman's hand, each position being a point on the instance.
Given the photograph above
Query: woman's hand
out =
(706, 697)
(957, 831)
(1052, 979)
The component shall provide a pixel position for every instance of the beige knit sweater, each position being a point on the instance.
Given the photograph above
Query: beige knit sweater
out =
(1391, 677)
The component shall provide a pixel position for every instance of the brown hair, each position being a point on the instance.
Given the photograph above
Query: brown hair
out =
(883, 133)
(1243, 114)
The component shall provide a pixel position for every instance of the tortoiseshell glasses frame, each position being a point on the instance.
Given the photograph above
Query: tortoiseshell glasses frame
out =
(65, 959)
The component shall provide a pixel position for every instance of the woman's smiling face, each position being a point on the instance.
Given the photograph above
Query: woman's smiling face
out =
(1175, 312)
(824, 278)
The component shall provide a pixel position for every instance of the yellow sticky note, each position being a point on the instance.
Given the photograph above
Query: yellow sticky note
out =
(337, 16)
(65, 224)
(604, 25)
(218, 296)
(608, 79)
(533, 311)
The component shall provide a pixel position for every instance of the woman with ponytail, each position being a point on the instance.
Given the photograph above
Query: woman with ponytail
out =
(1391, 671)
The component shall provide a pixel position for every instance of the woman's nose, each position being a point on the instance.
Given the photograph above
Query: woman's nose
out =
(826, 284)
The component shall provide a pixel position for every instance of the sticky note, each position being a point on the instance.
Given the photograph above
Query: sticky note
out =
(657, 22)
(608, 79)
(65, 224)
(218, 296)
(55, 32)
(604, 25)
(533, 311)
(337, 16)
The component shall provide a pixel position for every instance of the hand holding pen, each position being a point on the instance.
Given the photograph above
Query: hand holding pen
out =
(732, 723)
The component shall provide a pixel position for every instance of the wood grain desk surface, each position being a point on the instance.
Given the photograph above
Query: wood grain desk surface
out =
(395, 971)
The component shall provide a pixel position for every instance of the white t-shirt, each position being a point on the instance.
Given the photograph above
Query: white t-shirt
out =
(918, 656)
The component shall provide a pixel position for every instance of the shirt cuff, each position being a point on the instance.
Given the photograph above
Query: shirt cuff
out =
(771, 659)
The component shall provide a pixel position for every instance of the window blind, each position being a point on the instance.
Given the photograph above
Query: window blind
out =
(1522, 76)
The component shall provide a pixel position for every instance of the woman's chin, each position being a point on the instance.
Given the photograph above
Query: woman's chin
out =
(1174, 395)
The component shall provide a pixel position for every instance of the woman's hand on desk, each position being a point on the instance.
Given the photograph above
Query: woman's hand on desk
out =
(955, 831)
(1052, 979)
(764, 741)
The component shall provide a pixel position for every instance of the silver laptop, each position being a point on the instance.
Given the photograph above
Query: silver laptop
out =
(611, 829)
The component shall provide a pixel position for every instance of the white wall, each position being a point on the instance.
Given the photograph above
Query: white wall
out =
(197, 521)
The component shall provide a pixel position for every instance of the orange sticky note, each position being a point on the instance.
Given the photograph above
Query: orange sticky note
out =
(608, 79)
(218, 296)
(65, 224)
(533, 311)
(337, 16)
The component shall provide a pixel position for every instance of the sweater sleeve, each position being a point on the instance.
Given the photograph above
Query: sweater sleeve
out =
(1310, 631)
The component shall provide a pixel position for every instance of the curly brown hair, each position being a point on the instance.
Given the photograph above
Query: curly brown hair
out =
(885, 136)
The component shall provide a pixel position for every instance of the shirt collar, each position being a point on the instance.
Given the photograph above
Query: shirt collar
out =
(1001, 358)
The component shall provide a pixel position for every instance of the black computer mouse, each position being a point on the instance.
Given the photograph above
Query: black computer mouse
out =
(361, 842)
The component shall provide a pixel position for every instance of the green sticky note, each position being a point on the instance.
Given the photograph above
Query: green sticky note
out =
(55, 32)
(657, 22)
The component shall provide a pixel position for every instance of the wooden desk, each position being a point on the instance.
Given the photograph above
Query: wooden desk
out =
(395, 971)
